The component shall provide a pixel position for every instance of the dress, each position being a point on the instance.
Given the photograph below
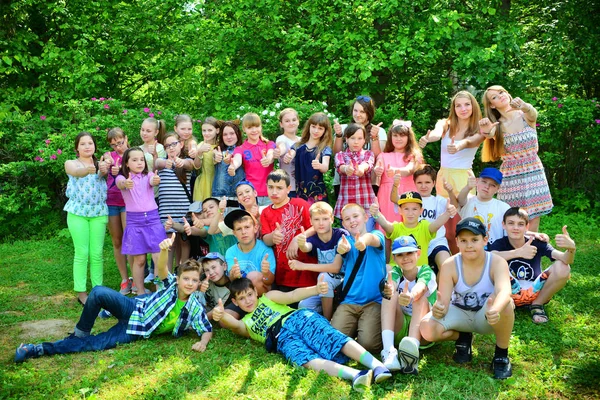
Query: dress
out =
(391, 210)
(203, 185)
(524, 182)
(309, 181)
(354, 189)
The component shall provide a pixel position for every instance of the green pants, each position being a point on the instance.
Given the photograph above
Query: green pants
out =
(88, 239)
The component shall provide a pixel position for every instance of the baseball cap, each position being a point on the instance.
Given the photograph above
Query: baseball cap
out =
(410, 197)
(212, 256)
(234, 215)
(195, 207)
(404, 244)
(492, 173)
(471, 224)
(244, 182)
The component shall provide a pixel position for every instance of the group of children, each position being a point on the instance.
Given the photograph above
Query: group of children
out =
(279, 272)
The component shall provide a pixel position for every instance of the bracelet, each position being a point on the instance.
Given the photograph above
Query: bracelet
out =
(339, 136)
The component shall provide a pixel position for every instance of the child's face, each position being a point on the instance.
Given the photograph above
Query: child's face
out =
(424, 185)
(289, 123)
(119, 144)
(136, 162)
(399, 141)
(486, 188)
(316, 131)
(354, 220)
(356, 141)
(321, 222)
(209, 133)
(184, 130)
(470, 245)
(358, 114)
(148, 132)
(187, 283)
(214, 269)
(246, 196)
(407, 261)
(515, 227)
(172, 146)
(210, 208)
(229, 136)
(86, 147)
(246, 300)
(410, 213)
(253, 133)
(245, 231)
(463, 108)
(278, 191)
(498, 98)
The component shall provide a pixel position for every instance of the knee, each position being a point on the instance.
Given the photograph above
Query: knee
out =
(561, 271)
(98, 292)
(429, 330)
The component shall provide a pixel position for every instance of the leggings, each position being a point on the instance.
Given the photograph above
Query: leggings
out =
(88, 241)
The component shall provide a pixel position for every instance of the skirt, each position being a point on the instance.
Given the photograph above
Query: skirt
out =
(143, 233)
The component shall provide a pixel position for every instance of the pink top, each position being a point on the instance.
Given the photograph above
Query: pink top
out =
(387, 208)
(255, 172)
(141, 197)
(113, 196)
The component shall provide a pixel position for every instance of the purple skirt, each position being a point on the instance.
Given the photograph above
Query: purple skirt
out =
(143, 233)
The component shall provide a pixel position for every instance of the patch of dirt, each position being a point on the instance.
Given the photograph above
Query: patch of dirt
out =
(13, 313)
(58, 299)
(58, 328)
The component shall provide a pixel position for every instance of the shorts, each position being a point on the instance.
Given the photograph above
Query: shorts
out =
(115, 210)
(525, 296)
(314, 302)
(404, 333)
(461, 320)
(306, 336)
(431, 257)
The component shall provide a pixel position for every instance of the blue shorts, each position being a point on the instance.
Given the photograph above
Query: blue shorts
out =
(306, 335)
(115, 210)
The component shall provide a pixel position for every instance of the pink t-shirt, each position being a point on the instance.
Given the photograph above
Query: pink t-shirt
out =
(141, 197)
(255, 172)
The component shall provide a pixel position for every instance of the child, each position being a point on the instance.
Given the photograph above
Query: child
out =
(248, 200)
(354, 166)
(312, 154)
(170, 310)
(256, 155)
(484, 206)
(359, 313)
(413, 288)
(473, 296)
(143, 230)
(224, 184)
(184, 128)
(303, 337)
(530, 285)
(205, 152)
(288, 122)
(152, 133)
(215, 286)
(211, 210)
(280, 223)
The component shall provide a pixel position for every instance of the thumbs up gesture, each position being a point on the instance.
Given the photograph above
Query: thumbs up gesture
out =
(231, 170)
(179, 163)
(375, 131)
(448, 186)
(301, 238)
(277, 234)
(218, 155)
(316, 164)
(289, 156)
(204, 285)
(114, 169)
(564, 240)
(277, 152)
(235, 272)
(322, 286)
(167, 243)
(379, 168)
(169, 163)
(337, 128)
(528, 250)
(222, 204)
(406, 296)
(450, 209)
(388, 288)
(487, 128)
(343, 246)
(491, 314)
(453, 148)
(439, 309)
(358, 243)
(169, 223)
(391, 172)
(227, 157)
(155, 180)
(152, 147)
(129, 182)
(264, 161)
(424, 140)
(186, 226)
(374, 208)
(202, 148)
(218, 311)
(472, 180)
(193, 150)
(349, 170)
(197, 222)
(264, 265)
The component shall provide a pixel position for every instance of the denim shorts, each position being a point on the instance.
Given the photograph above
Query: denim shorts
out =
(115, 210)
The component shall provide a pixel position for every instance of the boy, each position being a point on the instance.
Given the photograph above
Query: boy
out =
(533, 287)
(211, 210)
(303, 337)
(280, 223)
(484, 206)
(359, 314)
(473, 296)
(216, 284)
(415, 294)
(170, 310)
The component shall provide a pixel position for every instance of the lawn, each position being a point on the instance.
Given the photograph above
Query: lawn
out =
(558, 360)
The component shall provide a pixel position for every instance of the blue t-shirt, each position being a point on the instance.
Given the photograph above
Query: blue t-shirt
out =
(365, 288)
(250, 261)
(325, 252)
(521, 268)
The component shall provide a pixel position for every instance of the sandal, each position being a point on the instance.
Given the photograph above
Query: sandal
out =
(538, 314)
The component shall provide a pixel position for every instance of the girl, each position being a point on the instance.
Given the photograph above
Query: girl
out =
(363, 111)
(312, 158)
(143, 231)
(87, 213)
(174, 192)
(184, 128)
(205, 158)
(152, 133)
(289, 122)
(257, 157)
(224, 184)
(510, 133)
(401, 156)
(354, 167)
(111, 164)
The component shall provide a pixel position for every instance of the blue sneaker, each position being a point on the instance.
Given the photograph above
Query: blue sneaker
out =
(104, 314)
(362, 380)
(25, 351)
(381, 374)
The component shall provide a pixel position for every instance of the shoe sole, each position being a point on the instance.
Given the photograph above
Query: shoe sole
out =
(408, 353)
(363, 382)
(384, 376)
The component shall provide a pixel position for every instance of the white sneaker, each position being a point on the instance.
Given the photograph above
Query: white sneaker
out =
(409, 355)
(149, 278)
(390, 359)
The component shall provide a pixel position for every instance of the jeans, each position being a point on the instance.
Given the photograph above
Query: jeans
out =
(121, 307)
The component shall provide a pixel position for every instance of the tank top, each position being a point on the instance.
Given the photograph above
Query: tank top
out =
(460, 160)
(473, 298)
(87, 195)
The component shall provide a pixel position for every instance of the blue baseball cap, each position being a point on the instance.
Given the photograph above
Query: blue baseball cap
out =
(212, 256)
(492, 173)
(404, 244)
(244, 182)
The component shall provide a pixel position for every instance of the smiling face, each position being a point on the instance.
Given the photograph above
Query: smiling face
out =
(359, 115)
(399, 141)
(172, 146)
(229, 136)
(245, 230)
(209, 133)
(253, 133)
(187, 283)
(246, 196)
(136, 161)
(407, 261)
(354, 219)
(470, 245)
(486, 188)
(148, 132)
(85, 146)
(210, 208)
(356, 141)
(463, 108)
(410, 213)
(246, 300)
(184, 130)
(289, 123)
(424, 185)
(515, 227)
(316, 131)
(214, 269)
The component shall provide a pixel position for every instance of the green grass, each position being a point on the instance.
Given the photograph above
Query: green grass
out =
(558, 360)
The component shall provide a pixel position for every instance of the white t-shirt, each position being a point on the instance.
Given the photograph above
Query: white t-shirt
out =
(433, 207)
(291, 167)
(490, 213)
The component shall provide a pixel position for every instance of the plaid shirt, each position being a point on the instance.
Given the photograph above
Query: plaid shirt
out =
(354, 189)
(150, 311)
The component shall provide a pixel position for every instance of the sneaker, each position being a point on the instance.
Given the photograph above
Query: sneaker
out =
(463, 353)
(25, 351)
(501, 367)
(381, 374)
(149, 278)
(362, 380)
(409, 355)
(390, 359)
(126, 286)
(104, 314)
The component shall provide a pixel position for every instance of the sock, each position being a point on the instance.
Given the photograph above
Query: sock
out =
(79, 333)
(500, 352)
(464, 337)
(369, 361)
(347, 372)
(387, 336)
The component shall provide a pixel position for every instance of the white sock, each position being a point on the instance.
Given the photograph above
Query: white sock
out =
(387, 336)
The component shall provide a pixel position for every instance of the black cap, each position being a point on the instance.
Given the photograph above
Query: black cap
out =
(234, 215)
(471, 224)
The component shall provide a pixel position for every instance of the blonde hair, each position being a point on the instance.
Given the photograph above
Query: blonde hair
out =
(352, 205)
(493, 148)
(320, 207)
(250, 120)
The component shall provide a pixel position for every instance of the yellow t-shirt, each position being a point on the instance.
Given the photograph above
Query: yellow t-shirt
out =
(420, 233)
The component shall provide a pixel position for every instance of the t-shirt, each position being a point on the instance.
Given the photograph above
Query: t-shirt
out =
(433, 207)
(365, 288)
(168, 324)
(113, 196)
(213, 294)
(219, 242)
(290, 217)
(309, 181)
(420, 233)
(489, 212)
(140, 198)
(524, 270)
(252, 260)
(255, 172)
(425, 275)
(291, 167)
(266, 313)
(325, 251)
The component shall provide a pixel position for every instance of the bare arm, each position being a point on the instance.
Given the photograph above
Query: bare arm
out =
(501, 278)
(292, 297)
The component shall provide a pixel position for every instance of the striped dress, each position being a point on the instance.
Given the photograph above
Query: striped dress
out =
(172, 199)
(524, 182)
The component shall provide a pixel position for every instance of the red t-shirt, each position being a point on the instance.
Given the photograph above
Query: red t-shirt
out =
(255, 172)
(290, 217)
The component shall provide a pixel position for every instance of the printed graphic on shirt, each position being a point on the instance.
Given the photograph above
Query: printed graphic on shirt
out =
(470, 301)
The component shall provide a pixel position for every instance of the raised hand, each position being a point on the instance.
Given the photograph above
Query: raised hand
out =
(564, 240)
(450, 209)
(453, 148)
(218, 155)
(231, 170)
(277, 234)
(424, 140)
(343, 246)
(391, 172)
(114, 169)
(155, 180)
(448, 186)
(288, 157)
(186, 227)
(169, 223)
(235, 272)
(379, 168)
(264, 161)
(227, 157)
(358, 171)
(169, 163)
(316, 164)
(349, 170)
(197, 222)
(103, 166)
(301, 238)
(491, 314)
(397, 178)
(264, 265)
(203, 148)
(179, 163)
(528, 251)
(439, 309)
(487, 128)
(277, 152)
(375, 131)
(152, 147)
(358, 243)
(218, 311)
(374, 208)
(129, 182)
(296, 265)
(322, 286)
(472, 180)
(406, 296)
(223, 204)
(388, 288)
(337, 128)
(192, 151)
(167, 243)
(518, 104)
(204, 285)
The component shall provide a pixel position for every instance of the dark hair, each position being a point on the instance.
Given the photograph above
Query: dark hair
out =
(124, 168)
(319, 119)
(235, 125)
(425, 170)
(180, 172)
(240, 285)
(352, 128)
(189, 265)
(516, 211)
(278, 175)
(78, 138)
(368, 106)
(210, 199)
(161, 127)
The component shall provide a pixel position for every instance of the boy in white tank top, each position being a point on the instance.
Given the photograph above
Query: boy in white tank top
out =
(473, 296)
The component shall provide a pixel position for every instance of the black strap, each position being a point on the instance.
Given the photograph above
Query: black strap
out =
(187, 192)
(348, 283)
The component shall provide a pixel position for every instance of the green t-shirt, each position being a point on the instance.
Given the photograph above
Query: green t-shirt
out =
(170, 320)
(266, 313)
(425, 275)
(420, 233)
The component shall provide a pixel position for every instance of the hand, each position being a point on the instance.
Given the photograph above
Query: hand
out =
(487, 128)
(91, 169)
(218, 311)
(301, 238)
(197, 222)
(374, 208)
(375, 131)
(292, 251)
(218, 155)
(264, 265)
(289, 157)
(453, 148)
(169, 223)
(360, 171)
(200, 346)
(472, 180)
(424, 140)
(192, 151)
(438, 310)
(315, 164)
(541, 236)
(343, 246)
(167, 243)
(491, 314)
(518, 104)
(337, 128)
(391, 172)
(186, 226)
(265, 161)
(406, 296)
(227, 157)
(448, 186)
(528, 251)
(277, 234)
(114, 170)
(129, 182)
(235, 272)
(169, 163)
(358, 243)
(379, 168)
(203, 148)
(223, 204)
(204, 285)
(450, 209)
(322, 286)
(296, 265)
(179, 163)
(255, 211)
(155, 180)
(349, 170)
(152, 148)
(277, 152)
(388, 289)
(564, 241)
(231, 170)
(397, 178)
